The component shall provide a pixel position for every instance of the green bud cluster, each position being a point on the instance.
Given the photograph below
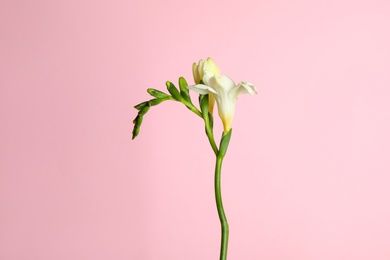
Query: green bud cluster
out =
(181, 95)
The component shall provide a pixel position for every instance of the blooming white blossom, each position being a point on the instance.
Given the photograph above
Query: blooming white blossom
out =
(221, 88)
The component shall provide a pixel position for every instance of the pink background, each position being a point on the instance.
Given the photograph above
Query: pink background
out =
(306, 177)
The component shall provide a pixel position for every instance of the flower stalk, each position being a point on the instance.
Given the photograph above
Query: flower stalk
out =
(218, 195)
(212, 88)
(220, 155)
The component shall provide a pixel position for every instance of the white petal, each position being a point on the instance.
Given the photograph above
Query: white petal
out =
(249, 88)
(221, 84)
(200, 68)
(202, 89)
(246, 88)
(206, 77)
(195, 73)
(211, 67)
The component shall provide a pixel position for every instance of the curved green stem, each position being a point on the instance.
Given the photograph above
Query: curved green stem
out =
(194, 109)
(221, 212)
(220, 154)
(191, 107)
(210, 135)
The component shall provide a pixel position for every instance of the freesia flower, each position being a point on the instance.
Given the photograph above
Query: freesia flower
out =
(223, 89)
(204, 70)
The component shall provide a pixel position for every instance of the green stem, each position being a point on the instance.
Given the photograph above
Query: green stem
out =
(210, 135)
(191, 107)
(221, 212)
(194, 109)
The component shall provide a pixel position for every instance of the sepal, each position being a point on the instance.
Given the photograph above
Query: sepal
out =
(204, 105)
(224, 143)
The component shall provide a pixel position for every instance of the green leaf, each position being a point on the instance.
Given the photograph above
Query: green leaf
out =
(174, 91)
(157, 93)
(224, 143)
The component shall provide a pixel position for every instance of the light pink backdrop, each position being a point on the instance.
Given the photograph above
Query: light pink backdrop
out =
(307, 175)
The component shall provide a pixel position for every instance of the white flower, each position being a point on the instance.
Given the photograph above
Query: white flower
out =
(223, 89)
(204, 70)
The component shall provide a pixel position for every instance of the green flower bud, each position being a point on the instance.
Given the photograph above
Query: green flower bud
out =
(157, 93)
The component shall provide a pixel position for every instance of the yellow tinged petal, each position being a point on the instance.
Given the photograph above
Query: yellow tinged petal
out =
(200, 69)
(212, 66)
(195, 73)
(211, 103)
